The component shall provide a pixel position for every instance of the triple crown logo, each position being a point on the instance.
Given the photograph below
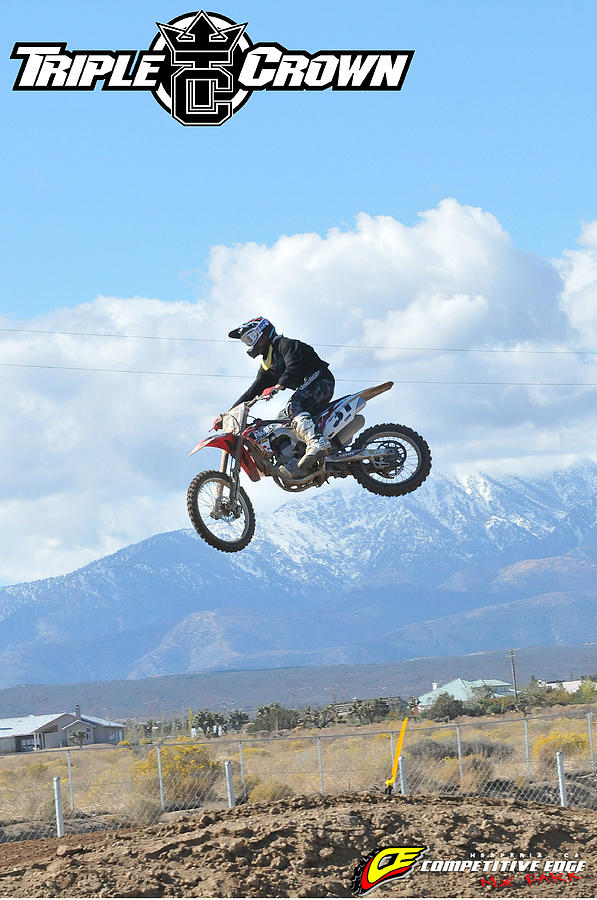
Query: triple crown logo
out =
(202, 67)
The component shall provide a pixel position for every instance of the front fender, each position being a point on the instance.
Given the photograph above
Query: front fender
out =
(227, 442)
(222, 441)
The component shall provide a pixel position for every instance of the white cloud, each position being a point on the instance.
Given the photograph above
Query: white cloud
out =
(579, 299)
(93, 461)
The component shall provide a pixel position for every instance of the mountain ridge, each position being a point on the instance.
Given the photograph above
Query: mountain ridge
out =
(457, 567)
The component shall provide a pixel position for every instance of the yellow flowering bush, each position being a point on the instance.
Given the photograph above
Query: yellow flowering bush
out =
(189, 773)
(571, 743)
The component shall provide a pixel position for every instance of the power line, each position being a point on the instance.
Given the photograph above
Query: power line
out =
(360, 379)
(155, 337)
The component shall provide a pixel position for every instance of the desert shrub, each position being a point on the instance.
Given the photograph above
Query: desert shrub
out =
(270, 791)
(487, 748)
(571, 743)
(448, 773)
(476, 771)
(36, 772)
(251, 781)
(39, 809)
(139, 810)
(123, 744)
(298, 745)
(430, 749)
(255, 751)
(189, 773)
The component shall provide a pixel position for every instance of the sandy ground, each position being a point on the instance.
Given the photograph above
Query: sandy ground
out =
(309, 847)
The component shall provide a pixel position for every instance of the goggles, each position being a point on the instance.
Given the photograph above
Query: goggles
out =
(250, 338)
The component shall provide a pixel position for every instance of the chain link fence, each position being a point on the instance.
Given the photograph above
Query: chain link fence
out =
(539, 759)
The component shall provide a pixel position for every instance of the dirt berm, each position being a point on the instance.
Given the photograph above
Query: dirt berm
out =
(309, 847)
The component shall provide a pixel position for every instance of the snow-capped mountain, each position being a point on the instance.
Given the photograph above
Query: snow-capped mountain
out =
(461, 565)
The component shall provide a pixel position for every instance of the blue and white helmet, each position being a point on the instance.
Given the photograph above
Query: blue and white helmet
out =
(257, 334)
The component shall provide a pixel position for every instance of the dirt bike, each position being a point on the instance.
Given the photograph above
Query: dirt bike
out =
(390, 460)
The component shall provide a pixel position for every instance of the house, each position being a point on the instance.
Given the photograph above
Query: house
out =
(466, 691)
(570, 687)
(51, 731)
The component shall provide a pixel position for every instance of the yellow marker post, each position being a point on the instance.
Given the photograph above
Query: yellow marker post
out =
(391, 780)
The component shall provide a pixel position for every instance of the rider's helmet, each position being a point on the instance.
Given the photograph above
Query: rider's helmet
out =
(257, 334)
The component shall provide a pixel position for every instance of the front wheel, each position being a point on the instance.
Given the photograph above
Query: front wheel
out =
(401, 461)
(225, 524)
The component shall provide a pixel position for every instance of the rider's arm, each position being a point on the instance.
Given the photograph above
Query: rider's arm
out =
(265, 378)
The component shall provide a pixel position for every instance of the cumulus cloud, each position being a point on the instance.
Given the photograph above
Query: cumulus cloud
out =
(98, 460)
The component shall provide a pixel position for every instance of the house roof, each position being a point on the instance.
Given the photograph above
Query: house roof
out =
(461, 689)
(22, 725)
(93, 720)
(70, 725)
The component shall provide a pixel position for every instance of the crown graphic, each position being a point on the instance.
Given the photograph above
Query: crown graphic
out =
(202, 36)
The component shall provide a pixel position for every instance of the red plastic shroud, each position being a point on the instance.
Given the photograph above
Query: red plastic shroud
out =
(227, 442)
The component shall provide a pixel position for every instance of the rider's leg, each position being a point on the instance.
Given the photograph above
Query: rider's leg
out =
(309, 400)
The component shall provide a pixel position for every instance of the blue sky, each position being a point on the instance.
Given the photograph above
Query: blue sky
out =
(460, 213)
(105, 193)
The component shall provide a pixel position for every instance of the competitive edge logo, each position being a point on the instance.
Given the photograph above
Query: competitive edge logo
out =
(384, 864)
(202, 67)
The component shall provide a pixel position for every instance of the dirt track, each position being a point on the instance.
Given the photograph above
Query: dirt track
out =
(307, 847)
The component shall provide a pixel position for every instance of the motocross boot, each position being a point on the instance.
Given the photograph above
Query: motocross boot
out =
(317, 446)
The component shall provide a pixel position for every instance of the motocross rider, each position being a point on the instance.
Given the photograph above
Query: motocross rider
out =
(289, 363)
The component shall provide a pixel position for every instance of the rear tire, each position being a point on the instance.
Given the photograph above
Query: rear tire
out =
(409, 460)
(230, 529)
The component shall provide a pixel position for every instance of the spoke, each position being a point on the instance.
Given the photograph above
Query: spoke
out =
(228, 527)
(402, 468)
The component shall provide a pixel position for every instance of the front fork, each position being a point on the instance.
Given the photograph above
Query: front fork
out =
(235, 472)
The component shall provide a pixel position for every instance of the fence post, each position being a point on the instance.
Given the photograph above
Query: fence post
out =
(320, 766)
(459, 744)
(590, 727)
(561, 779)
(70, 782)
(242, 768)
(160, 777)
(58, 806)
(229, 783)
(402, 772)
(392, 759)
(527, 748)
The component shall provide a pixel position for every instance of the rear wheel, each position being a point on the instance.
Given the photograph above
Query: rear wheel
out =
(225, 524)
(402, 460)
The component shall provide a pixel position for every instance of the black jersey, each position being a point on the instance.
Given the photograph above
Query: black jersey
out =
(287, 362)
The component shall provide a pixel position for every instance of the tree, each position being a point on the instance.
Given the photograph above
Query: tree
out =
(369, 711)
(274, 717)
(585, 693)
(533, 694)
(237, 718)
(77, 737)
(312, 717)
(444, 707)
(205, 719)
(148, 728)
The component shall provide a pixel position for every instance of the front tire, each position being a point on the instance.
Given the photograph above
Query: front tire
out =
(406, 465)
(227, 526)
